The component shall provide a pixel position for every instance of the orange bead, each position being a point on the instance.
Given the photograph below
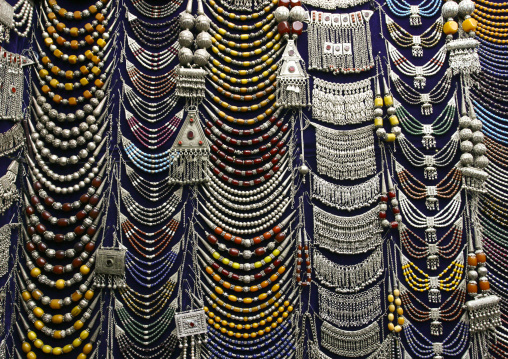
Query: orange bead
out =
(45, 89)
(73, 101)
(450, 27)
(472, 288)
(51, 16)
(55, 304)
(99, 17)
(92, 9)
(484, 285)
(74, 44)
(77, 15)
(57, 98)
(472, 260)
(89, 39)
(62, 12)
(89, 27)
(60, 40)
(481, 257)
(469, 24)
(51, 30)
(74, 31)
(87, 94)
(60, 26)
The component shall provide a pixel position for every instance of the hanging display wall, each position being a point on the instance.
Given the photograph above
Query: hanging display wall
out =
(253, 179)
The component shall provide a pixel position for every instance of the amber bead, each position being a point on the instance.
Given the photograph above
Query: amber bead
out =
(58, 269)
(89, 27)
(74, 45)
(284, 3)
(472, 288)
(55, 304)
(481, 257)
(59, 238)
(283, 27)
(80, 230)
(90, 247)
(472, 260)
(60, 254)
(81, 215)
(484, 285)
(77, 262)
(40, 262)
(42, 246)
(40, 228)
(62, 222)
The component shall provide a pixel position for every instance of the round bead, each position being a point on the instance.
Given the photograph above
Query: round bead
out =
(450, 27)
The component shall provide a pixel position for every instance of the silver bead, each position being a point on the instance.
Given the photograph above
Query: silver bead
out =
(466, 146)
(477, 137)
(466, 159)
(204, 40)
(297, 13)
(464, 122)
(466, 7)
(201, 57)
(202, 23)
(450, 9)
(186, 21)
(479, 149)
(281, 14)
(481, 162)
(185, 56)
(465, 134)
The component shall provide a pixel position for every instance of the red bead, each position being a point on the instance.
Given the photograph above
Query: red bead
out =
(79, 230)
(96, 182)
(58, 269)
(35, 200)
(234, 252)
(59, 238)
(84, 198)
(283, 27)
(276, 230)
(91, 230)
(260, 251)
(49, 200)
(78, 247)
(94, 213)
(46, 215)
(41, 262)
(382, 214)
(212, 239)
(257, 276)
(295, 3)
(215, 266)
(391, 194)
(284, 3)
(30, 210)
(297, 27)
(66, 207)
(395, 210)
(30, 247)
(280, 237)
(60, 254)
(37, 186)
(76, 263)
(394, 225)
(62, 222)
(31, 230)
(267, 235)
(42, 246)
(90, 247)
(94, 200)
(383, 198)
(81, 215)
(40, 228)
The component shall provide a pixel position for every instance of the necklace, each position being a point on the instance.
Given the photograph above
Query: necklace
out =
(419, 73)
(342, 104)
(349, 234)
(402, 8)
(148, 111)
(418, 159)
(151, 216)
(148, 85)
(415, 189)
(349, 278)
(156, 11)
(340, 43)
(235, 108)
(438, 127)
(450, 310)
(152, 191)
(151, 60)
(345, 154)
(432, 250)
(346, 197)
(354, 343)
(153, 138)
(11, 140)
(131, 350)
(8, 190)
(413, 97)
(433, 284)
(150, 38)
(143, 276)
(349, 310)
(332, 4)
(23, 18)
(429, 38)
(443, 218)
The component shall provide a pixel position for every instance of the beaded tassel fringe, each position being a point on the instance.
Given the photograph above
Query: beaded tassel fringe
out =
(189, 167)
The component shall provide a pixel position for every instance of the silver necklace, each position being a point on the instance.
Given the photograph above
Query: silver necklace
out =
(355, 343)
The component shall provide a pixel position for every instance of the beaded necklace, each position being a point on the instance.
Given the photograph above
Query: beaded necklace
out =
(219, 76)
(268, 20)
(429, 38)
(25, 16)
(419, 73)
(418, 159)
(153, 38)
(283, 348)
(235, 108)
(216, 32)
(151, 216)
(153, 138)
(349, 278)
(156, 11)
(433, 284)
(147, 162)
(152, 191)
(153, 60)
(354, 343)
(452, 345)
(131, 350)
(384, 351)
(438, 127)
(144, 84)
(271, 88)
(415, 189)
(149, 309)
(220, 48)
(432, 251)
(413, 97)
(402, 9)
(148, 111)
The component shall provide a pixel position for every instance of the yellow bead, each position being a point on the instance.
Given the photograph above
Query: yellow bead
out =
(31, 355)
(391, 308)
(54, 83)
(57, 351)
(68, 348)
(38, 343)
(450, 27)
(78, 325)
(73, 59)
(390, 137)
(75, 311)
(43, 73)
(26, 347)
(394, 121)
(48, 41)
(47, 349)
(400, 311)
(96, 71)
(60, 284)
(87, 349)
(396, 292)
(276, 252)
(378, 102)
(398, 328)
(388, 100)
(76, 342)
(232, 298)
(57, 53)
(400, 320)
(81, 356)
(39, 325)
(258, 264)
(84, 334)
(38, 312)
(469, 24)
(31, 335)
(391, 327)
(69, 86)
(391, 317)
(390, 298)
(84, 269)
(236, 265)
(225, 261)
(398, 301)
(83, 81)
(101, 42)
(378, 122)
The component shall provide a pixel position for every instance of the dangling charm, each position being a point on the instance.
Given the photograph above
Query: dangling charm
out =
(191, 324)
(292, 80)
(110, 267)
(189, 153)
(6, 20)
(415, 19)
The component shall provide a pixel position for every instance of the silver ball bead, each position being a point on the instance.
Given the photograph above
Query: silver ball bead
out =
(186, 21)
(204, 40)
(450, 9)
(465, 134)
(281, 14)
(202, 23)
(479, 149)
(476, 125)
(466, 146)
(466, 7)
(481, 162)
(185, 56)
(466, 159)
(185, 38)
(464, 122)
(201, 57)
(297, 13)
(482, 271)
(477, 137)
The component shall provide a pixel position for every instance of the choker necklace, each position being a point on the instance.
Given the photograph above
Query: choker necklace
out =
(349, 310)
(355, 343)
(418, 159)
(432, 251)
(433, 284)
(451, 309)
(434, 96)
(446, 188)
(419, 73)
(429, 38)
(151, 60)
(23, 18)
(346, 197)
(146, 86)
(402, 8)
(345, 154)
(153, 38)
(438, 127)
(340, 43)
(349, 278)
(153, 138)
(342, 104)
(151, 216)
(349, 234)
